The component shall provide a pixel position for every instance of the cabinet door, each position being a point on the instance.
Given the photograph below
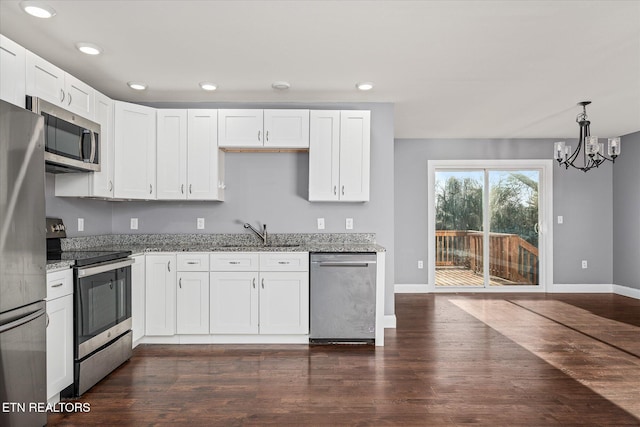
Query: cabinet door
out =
(59, 344)
(45, 80)
(171, 155)
(204, 179)
(137, 298)
(324, 155)
(160, 295)
(135, 151)
(240, 128)
(79, 97)
(233, 302)
(12, 72)
(284, 303)
(286, 128)
(355, 130)
(192, 303)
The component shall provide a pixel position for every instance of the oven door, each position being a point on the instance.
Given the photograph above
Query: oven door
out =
(102, 305)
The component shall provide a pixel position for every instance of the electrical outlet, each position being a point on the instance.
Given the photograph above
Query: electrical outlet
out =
(320, 223)
(349, 224)
(560, 219)
(584, 263)
(80, 224)
(200, 223)
(134, 223)
(420, 264)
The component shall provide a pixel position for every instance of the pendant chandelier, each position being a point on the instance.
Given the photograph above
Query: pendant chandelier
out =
(592, 151)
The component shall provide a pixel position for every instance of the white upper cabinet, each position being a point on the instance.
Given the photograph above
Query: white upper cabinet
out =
(46, 81)
(205, 162)
(263, 128)
(12, 72)
(135, 151)
(339, 156)
(189, 164)
(96, 184)
(172, 154)
(286, 128)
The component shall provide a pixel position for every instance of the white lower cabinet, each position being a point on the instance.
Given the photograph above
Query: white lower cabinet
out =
(275, 301)
(192, 303)
(234, 302)
(138, 298)
(160, 294)
(59, 332)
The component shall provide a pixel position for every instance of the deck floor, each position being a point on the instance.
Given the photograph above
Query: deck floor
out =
(461, 276)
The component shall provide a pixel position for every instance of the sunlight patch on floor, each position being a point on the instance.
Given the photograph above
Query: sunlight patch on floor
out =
(559, 345)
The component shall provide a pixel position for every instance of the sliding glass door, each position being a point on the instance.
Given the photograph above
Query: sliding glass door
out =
(485, 226)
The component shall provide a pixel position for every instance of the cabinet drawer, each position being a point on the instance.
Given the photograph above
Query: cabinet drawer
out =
(284, 261)
(193, 262)
(59, 283)
(234, 261)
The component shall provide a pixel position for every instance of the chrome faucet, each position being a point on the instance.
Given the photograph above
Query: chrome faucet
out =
(262, 235)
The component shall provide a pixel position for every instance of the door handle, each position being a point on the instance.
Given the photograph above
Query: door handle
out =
(182, 189)
(69, 103)
(254, 283)
(266, 136)
(263, 283)
(536, 228)
(190, 188)
(22, 320)
(169, 265)
(259, 135)
(180, 283)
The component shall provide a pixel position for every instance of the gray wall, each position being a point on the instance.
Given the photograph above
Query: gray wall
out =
(585, 201)
(626, 214)
(272, 188)
(97, 214)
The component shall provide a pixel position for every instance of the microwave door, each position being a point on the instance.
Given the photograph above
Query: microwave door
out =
(69, 138)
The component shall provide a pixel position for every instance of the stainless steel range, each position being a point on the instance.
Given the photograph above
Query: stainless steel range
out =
(102, 309)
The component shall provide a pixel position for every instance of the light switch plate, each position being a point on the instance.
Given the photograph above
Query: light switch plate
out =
(560, 219)
(134, 223)
(200, 223)
(80, 224)
(320, 223)
(349, 224)
(420, 264)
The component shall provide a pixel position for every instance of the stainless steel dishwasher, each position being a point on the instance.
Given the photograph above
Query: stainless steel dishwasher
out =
(343, 298)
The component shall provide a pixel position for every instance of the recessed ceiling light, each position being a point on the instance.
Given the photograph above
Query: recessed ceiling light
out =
(208, 86)
(38, 9)
(280, 85)
(364, 86)
(137, 85)
(89, 48)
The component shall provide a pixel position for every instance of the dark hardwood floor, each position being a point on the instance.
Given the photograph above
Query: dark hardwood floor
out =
(454, 359)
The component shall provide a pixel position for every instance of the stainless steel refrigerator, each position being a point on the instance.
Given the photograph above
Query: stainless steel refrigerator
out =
(23, 363)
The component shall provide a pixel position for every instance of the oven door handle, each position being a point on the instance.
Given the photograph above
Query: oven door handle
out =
(101, 268)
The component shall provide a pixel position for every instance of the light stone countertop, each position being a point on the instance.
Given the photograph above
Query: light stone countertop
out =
(144, 243)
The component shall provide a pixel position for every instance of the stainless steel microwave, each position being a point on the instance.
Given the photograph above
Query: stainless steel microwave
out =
(72, 143)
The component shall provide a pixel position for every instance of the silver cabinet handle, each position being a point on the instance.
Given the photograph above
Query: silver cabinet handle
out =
(536, 228)
(335, 190)
(57, 285)
(169, 265)
(21, 321)
(193, 262)
(69, 103)
(259, 135)
(254, 283)
(343, 190)
(46, 325)
(263, 283)
(284, 262)
(190, 187)
(180, 283)
(182, 189)
(266, 135)
(110, 186)
(150, 188)
(61, 95)
(234, 262)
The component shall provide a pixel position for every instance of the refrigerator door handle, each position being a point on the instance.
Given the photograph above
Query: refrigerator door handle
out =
(21, 321)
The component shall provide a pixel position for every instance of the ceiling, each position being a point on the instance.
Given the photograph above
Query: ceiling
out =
(452, 69)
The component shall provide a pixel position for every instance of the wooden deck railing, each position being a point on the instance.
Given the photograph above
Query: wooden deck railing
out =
(510, 257)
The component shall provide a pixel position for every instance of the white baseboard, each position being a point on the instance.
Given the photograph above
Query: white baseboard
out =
(592, 288)
(410, 289)
(626, 291)
(389, 321)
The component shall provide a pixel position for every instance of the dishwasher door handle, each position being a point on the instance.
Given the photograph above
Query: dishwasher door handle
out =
(343, 263)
